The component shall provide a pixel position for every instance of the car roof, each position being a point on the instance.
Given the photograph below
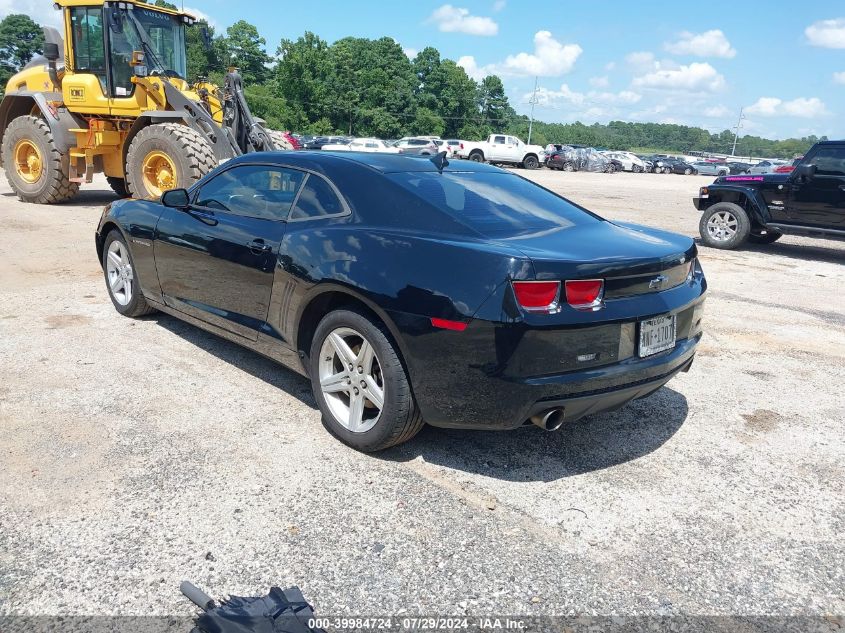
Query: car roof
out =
(384, 163)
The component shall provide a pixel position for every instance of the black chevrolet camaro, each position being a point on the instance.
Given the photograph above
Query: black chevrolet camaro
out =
(413, 292)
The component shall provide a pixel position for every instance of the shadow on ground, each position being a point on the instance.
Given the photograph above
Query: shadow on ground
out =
(833, 254)
(526, 454)
(251, 362)
(531, 454)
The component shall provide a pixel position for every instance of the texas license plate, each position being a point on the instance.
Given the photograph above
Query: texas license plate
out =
(657, 335)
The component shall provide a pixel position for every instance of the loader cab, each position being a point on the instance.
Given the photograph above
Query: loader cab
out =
(103, 41)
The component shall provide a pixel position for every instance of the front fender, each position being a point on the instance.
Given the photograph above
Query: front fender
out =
(750, 198)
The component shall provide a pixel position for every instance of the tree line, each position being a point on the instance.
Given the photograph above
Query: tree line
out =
(370, 87)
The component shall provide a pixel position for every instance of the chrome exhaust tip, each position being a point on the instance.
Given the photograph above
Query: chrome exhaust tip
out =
(550, 420)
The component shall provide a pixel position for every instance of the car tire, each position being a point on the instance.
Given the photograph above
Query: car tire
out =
(118, 185)
(721, 173)
(121, 277)
(687, 172)
(724, 225)
(658, 170)
(568, 167)
(476, 157)
(769, 237)
(531, 162)
(365, 428)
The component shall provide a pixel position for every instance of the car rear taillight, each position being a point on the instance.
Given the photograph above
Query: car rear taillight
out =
(537, 296)
(584, 294)
(462, 145)
(544, 296)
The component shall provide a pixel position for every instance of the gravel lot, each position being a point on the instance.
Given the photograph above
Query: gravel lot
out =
(136, 454)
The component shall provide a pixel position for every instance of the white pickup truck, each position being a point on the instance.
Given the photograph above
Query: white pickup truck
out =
(501, 148)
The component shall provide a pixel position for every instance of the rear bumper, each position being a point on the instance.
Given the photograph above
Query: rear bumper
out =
(578, 393)
(496, 376)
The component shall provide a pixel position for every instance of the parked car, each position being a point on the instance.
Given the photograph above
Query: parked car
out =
(319, 141)
(766, 167)
(456, 146)
(738, 167)
(677, 166)
(417, 145)
(570, 158)
(410, 292)
(785, 169)
(443, 146)
(630, 162)
(707, 168)
(613, 165)
(363, 145)
(559, 160)
(760, 208)
(506, 150)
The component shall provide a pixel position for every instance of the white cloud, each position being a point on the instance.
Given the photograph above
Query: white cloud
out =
(499, 5)
(549, 59)
(839, 78)
(640, 61)
(42, 12)
(410, 52)
(451, 19)
(802, 107)
(565, 95)
(717, 112)
(697, 77)
(610, 66)
(827, 33)
(468, 63)
(201, 15)
(599, 82)
(708, 44)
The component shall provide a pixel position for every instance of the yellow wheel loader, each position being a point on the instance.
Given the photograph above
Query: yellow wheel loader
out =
(110, 96)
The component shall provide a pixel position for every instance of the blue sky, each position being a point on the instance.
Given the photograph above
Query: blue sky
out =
(694, 63)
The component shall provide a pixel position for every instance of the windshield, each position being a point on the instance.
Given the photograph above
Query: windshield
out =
(159, 35)
(494, 204)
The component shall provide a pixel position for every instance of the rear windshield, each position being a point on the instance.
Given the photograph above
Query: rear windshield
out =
(494, 204)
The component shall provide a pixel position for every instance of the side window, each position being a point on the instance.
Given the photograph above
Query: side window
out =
(255, 191)
(829, 161)
(499, 140)
(318, 199)
(88, 43)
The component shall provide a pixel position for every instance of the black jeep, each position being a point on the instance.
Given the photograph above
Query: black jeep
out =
(760, 208)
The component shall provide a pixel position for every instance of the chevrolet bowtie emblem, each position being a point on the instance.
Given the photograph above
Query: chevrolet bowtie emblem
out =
(657, 282)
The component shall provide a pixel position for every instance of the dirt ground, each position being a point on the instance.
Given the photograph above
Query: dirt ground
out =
(136, 454)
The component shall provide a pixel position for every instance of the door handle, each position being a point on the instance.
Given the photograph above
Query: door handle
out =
(259, 247)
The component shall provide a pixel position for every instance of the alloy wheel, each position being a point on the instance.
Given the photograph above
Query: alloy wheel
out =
(119, 272)
(351, 379)
(722, 226)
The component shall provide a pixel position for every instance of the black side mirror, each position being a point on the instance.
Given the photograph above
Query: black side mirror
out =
(805, 171)
(176, 198)
(51, 51)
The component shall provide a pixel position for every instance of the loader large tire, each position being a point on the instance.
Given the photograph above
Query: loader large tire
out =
(279, 140)
(166, 156)
(35, 168)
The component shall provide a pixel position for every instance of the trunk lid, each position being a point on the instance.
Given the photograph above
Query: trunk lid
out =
(632, 259)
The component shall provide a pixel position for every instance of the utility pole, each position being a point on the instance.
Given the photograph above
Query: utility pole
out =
(736, 130)
(532, 102)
